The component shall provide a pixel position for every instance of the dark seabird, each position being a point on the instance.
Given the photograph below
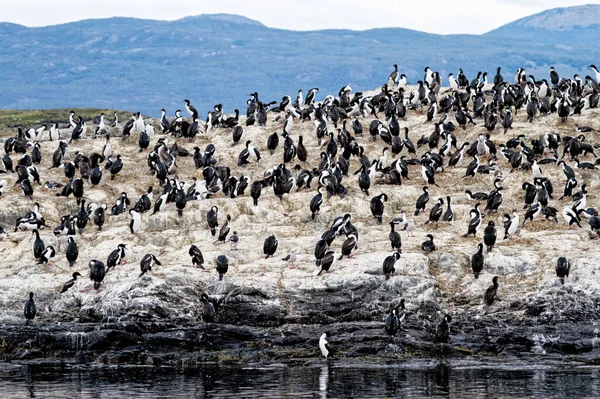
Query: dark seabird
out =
(97, 272)
(563, 266)
(225, 230)
(394, 237)
(327, 261)
(208, 309)
(428, 246)
(475, 221)
(490, 293)
(477, 261)
(222, 265)
(442, 332)
(422, 201)
(38, 245)
(30, 310)
(348, 246)
(197, 257)
(147, 262)
(116, 167)
(449, 214)
(392, 323)
(489, 236)
(320, 249)
(211, 219)
(270, 246)
(70, 283)
(377, 206)
(315, 203)
(389, 263)
(99, 216)
(436, 211)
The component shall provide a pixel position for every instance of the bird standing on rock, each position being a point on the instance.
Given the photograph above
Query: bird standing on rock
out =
(222, 264)
(563, 266)
(324, 346)
(489, 236)
(428, 246)
(70, 283)
(490, 293)
(270, 246)
(477, 261)
(291, 259)
(197, 257)
(442, 332)
(389, 263)
(30, 309)
(147, 262)
(208, 309)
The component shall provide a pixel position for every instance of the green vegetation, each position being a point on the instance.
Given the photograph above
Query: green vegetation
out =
(11, 119)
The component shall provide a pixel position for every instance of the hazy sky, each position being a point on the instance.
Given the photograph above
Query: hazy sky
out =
(435, 16)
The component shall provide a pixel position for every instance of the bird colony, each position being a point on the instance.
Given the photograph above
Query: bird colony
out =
(469, 192)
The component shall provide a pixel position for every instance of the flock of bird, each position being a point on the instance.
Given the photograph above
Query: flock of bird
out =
(340, 126)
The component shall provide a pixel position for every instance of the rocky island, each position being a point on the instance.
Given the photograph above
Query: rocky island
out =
(266, 311)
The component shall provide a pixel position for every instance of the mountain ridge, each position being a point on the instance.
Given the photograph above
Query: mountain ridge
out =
(124, 63)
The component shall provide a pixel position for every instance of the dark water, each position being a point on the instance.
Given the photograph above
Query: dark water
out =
(320, 381)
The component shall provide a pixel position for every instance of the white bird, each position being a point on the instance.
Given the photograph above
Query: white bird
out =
(410, 227)
(324, 345)
(291, 259)
(54, 133)
(135, 223)
(150, 130)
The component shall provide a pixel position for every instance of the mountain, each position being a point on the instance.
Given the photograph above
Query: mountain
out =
(145, 65)
(558, 25)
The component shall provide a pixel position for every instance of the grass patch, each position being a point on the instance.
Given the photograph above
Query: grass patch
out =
(11, 119)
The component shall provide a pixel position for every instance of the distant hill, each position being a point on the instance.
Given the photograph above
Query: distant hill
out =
(145, 65)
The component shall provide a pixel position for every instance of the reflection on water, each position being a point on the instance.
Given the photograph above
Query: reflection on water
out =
(320, 381)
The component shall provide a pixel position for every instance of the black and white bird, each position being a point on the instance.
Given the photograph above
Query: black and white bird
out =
(147, 262)
(327, 261)
(69, 284)
(474, 221)
(135, 224)
(48, 253)
(428, 246)
(422, 201)
(348, 246)
(389, 263)
(511, 224)
(436, 211)
(377, 206)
